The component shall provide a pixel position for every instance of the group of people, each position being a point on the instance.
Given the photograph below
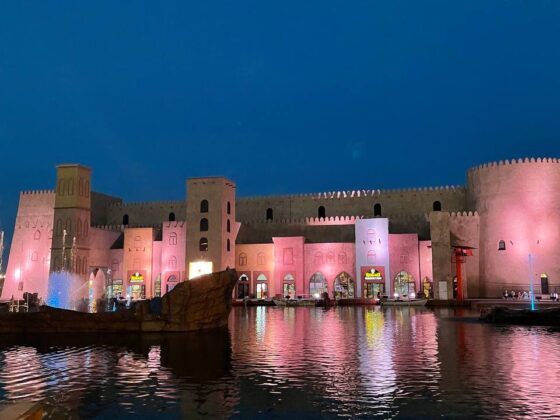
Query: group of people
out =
(524, 295)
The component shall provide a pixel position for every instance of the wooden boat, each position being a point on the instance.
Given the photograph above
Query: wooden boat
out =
(193, 305)
(404, 302)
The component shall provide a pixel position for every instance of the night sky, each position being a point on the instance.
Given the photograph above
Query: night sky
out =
(282, 97)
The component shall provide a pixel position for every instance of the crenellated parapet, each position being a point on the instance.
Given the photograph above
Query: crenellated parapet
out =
(343, 194)
(310, 221)
(507, 162)
(146, 204)
(37, 192)
(175, 224)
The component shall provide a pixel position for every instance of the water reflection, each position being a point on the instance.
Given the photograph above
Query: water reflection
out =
(304, 362)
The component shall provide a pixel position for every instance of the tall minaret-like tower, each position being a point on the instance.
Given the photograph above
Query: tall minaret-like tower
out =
(211, 226)
(72, 215)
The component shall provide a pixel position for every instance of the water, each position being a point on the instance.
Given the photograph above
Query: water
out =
(298, 363)
(65, 290)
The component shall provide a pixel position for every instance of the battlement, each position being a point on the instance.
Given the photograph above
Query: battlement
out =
(121, 228)
(310, 221)
(513, 162)
(354, 193)
(174, 224)
(36, 192)
(139, 204)
(463, 214)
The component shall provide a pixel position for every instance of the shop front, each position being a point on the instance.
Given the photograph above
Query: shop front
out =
(136, 288)
(373, 282)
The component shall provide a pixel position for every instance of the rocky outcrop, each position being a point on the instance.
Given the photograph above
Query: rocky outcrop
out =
(194, 305)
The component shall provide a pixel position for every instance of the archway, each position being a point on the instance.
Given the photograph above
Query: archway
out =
(404, 283)
(343, 286)
(427, 287)
(243, 287)
(544, 284)
(262, 286)
(318, 285)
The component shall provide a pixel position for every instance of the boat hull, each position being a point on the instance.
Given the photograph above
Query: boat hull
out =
(194, 305)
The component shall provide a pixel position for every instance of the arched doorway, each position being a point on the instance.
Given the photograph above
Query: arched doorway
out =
(404, 283)
(289, 286)
(427, 287)
(344, 286)
(243, 287)
(544, 284)
(318, 285)
(262, 286)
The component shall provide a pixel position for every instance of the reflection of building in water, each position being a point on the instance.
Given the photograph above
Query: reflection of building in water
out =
(359, 243)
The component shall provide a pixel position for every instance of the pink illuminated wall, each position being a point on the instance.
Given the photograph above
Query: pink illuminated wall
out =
(289, 259)
(171, 261)
(30, 251)
(330, 259)
(425, 260)
(253, 260)
(518, 203)
(403, 254)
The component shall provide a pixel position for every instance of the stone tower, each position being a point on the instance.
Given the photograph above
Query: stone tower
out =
(72, 214)
(211, 225)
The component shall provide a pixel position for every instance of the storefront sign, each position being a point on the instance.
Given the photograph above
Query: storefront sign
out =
(136, 278)
(373, 274)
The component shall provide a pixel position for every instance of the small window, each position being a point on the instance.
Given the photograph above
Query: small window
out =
(125, 220)
(172, 238)
(37, 235)
(204, 225)
(318, 258)
(228, 245)
(172, 263)
(204, 206)
(330, 258)
(269, 214)
(260, 258)
(228, 226)
(377, 210)
(437, 205)
(203, 244)
(242, 259)
(321, 213)
(171, 217)
(228, 207)
(34, 256)
(342, 258)
(502, 246)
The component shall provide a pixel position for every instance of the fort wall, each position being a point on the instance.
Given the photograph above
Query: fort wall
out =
(519, 204)
(30, 251)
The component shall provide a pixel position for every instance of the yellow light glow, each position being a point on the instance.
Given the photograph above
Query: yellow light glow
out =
(199, 268)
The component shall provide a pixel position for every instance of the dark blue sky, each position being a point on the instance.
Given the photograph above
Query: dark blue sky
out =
(291, 96)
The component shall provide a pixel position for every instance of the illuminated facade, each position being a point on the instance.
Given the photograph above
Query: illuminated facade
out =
(350, 244)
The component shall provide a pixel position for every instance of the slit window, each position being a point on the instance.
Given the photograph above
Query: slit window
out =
(269, 214)
(321, 212)
(204, 206)
(203, 244)
(228, 207)
(204, 225)
(437, 206)
(228, 245)
(171, 217)
(125, 220)
(377, 209)
(502, 245)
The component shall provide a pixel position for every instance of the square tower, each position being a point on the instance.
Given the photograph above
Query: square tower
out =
(72, 215)
(210, 225)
